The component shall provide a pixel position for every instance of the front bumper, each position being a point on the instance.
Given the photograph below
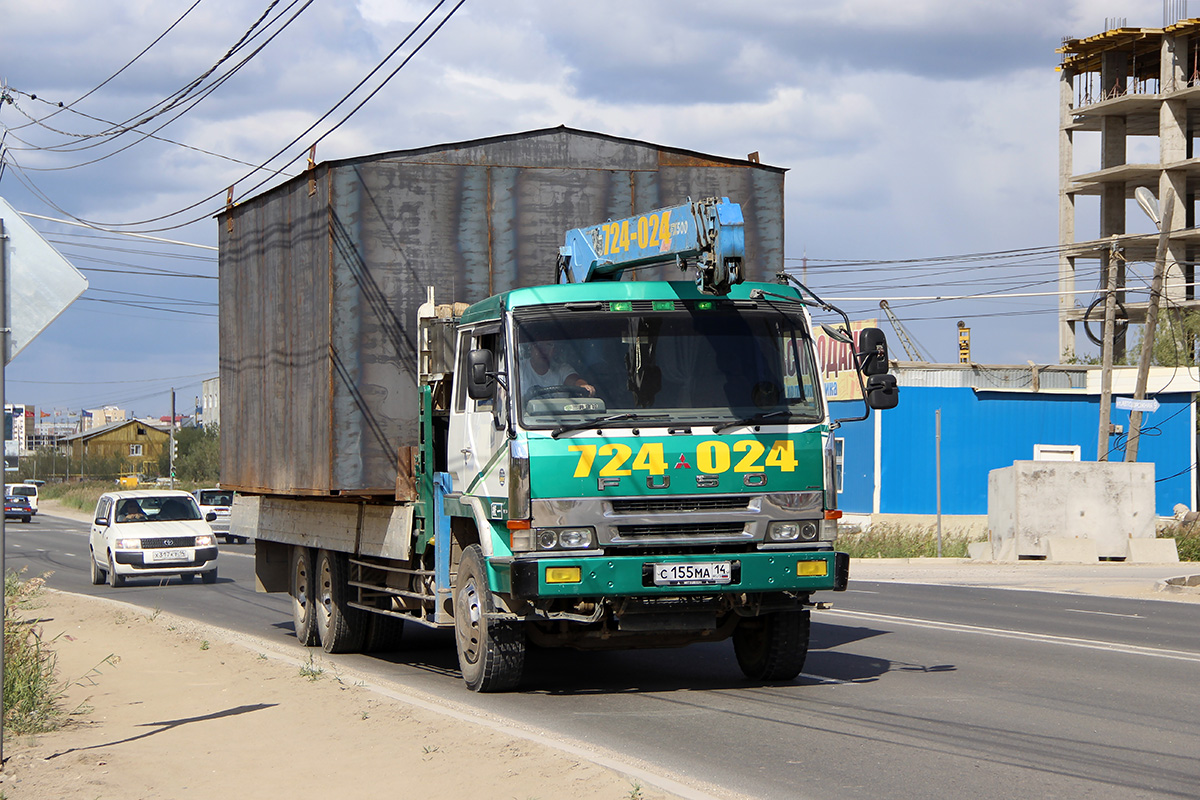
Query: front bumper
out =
(628, 576)
(133, 562)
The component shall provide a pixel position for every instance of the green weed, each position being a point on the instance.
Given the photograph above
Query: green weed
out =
(883, 540)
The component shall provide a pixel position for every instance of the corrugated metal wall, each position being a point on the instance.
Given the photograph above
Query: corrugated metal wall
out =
(319, 293)
(982, 431)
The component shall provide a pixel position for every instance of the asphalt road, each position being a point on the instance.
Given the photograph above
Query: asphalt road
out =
(909, 690)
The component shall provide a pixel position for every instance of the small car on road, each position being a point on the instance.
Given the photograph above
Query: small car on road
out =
(17, 507)
(215, 506)
(27, 490)
(150, 533)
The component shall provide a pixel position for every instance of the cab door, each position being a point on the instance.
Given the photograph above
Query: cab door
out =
(477, 427)
(99, 531)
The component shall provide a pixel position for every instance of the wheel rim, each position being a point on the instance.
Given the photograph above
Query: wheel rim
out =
(467, 622)
(326, 599)
(301, 596)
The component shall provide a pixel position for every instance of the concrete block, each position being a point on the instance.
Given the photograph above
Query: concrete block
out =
(1071, 550)
(980, 551)
(1105, 502)
(1152, 551)
(1005, 551)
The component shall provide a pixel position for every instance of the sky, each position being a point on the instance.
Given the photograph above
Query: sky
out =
(911, 132)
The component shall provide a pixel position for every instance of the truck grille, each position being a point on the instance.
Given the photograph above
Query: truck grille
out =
(707, 529)
(174, 541)
(679, 505)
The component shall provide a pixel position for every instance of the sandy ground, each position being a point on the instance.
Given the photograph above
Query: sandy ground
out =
(170, 709)
(167, 708)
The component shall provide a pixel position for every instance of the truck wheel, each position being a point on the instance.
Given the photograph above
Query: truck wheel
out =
(772, 647)
(97, 573)
(384, 634)
(491, 652)
(301, 590)
(342, 628)
(114, 580)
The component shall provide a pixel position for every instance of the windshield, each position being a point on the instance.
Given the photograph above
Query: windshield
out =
(157, 509)
(681, 366)
(216, 498)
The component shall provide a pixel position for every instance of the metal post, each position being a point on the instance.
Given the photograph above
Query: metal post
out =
(3, 543)
(1106, 359)
(1156, 286)
(172, 443)
(937, 416)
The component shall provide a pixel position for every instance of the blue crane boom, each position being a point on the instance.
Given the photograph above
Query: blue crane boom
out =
(708, 233)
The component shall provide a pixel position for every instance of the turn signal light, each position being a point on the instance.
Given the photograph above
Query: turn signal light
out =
(563, 575)
(812, 569)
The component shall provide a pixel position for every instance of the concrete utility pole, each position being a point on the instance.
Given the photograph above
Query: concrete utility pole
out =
(1106, 354)
(1160, 268)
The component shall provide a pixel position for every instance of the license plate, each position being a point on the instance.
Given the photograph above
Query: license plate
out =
(714, 572)
(168, 555)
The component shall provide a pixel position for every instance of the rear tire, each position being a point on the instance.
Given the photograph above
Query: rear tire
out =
(301, 590)
(187, 577)
(774, 646)
(491, 652)
(114, 580)
(98, 576)
(342, 628)
(384, 634)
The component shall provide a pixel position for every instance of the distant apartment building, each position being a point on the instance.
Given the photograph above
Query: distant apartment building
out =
(210, 408)
(19, 421)
(99, 417)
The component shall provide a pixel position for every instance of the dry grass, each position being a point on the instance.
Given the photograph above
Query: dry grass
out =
(903, 541)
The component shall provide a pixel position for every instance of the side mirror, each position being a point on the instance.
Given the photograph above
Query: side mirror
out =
(210, 516)
(481, 377)
(872, 351)
(882, 392)
(102, 522)
(837, 334)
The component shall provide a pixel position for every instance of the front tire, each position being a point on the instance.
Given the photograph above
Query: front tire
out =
(114, 580)
(187, 577)
(491, 652)
(774, 646)
(301, 590)
(342, 628)
(210, 576)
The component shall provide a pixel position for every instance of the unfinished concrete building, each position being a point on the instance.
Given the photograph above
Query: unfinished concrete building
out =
(1126, 83)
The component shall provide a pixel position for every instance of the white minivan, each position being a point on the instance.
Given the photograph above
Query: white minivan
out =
(27, 490)
(150, 533)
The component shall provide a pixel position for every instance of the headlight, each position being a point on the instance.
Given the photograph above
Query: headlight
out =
(129, 544)
(793, 531)
(783, 531)
(565, 538)
(204, 540)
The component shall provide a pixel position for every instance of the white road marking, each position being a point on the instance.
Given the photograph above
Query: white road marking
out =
(1103, 613)
(1066, 641)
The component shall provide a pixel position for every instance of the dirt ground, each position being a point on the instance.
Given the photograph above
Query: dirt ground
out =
(165, 708)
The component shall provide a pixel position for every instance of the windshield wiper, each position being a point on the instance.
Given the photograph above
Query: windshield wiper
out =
(755, 420)
(600, 422)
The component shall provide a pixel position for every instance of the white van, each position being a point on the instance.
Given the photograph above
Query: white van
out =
(27, 490)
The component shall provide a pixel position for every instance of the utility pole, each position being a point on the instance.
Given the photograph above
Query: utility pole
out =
(1106, 355)
(3, 544)
(172, 459)
(1156, 285)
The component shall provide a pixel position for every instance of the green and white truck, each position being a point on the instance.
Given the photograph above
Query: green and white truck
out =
(600, 463)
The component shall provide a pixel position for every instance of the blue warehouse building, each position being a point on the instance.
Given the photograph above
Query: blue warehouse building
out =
(993, 416)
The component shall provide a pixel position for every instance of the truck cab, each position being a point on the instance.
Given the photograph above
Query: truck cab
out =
(647, 464)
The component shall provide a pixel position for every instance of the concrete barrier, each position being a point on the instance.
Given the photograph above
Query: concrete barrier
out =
(1152, 551)
(1071, 549)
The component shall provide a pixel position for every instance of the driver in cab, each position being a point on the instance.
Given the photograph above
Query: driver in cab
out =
(543, 367)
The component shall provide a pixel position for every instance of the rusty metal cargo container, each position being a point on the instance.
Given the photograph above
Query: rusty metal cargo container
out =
(321, 277)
